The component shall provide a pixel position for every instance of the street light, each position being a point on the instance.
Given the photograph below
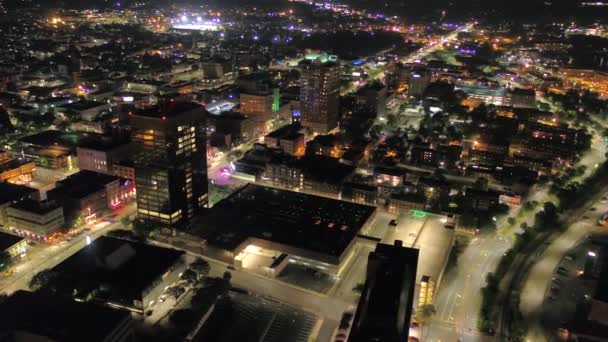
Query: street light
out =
(591, 254)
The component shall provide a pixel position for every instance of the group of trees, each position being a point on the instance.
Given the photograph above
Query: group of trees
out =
(5, 260)
(204, 298)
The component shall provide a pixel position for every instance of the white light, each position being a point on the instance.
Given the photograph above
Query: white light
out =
(88, 240)
(591, 254)
(199, 19)
(184, 18)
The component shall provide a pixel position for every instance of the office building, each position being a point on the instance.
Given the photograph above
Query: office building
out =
(171, 164)
(372, 98)
(101, 154)
(12, 193)
(35, 220)
(418, 82)
(319, 94)
(385, 307)
(86, 194)
(288, 138)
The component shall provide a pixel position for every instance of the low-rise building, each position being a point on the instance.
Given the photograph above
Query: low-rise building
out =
(288, 138)
(9, 194)
(101, 156)
(37, 316)
(402, 202)
(13, 245)
(35, 220)
(120, 273)
(87, 194)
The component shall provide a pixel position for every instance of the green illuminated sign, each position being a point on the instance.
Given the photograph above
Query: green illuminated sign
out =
(417, 213)
(276, 100)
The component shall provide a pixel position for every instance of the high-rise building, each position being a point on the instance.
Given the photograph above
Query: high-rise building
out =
(372, 98)
(319, 94)
(418, 82)
(171, 164)
(385, 307)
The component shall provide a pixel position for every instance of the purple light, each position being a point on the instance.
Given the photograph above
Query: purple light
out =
(275, 39)
(256, 37)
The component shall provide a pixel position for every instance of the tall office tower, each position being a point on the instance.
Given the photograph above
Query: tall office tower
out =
(171, 162)
(385, 307)
(319, 94)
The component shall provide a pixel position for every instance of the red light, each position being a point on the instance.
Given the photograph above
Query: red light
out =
(130, 113)
(163, 117)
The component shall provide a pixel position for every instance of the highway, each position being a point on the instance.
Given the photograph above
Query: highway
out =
(459, 298)
(539, 278)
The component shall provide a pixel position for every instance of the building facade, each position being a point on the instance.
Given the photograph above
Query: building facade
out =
(171, 164)
(319, 94)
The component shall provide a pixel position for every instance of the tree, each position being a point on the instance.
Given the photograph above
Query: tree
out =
(125, 221)
(143, 228)
(182, 318)
(42, 279)
(5, 260)
(79, 221)
(424, 313)
(200, 266)
(190, 276)
(358, 288)
(511, 221)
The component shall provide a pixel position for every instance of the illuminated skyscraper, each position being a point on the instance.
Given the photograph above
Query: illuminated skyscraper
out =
(319, 94)
(171, 165)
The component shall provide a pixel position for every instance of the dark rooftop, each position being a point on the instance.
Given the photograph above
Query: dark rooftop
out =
(105, 143)
(12, 192)
(13, 164)
(82, 105)
(57, 318)
(82, 184)
(324, 169)
(288, 132)
(8, 240)
(310, 222)
(34, 206)
(385, 306)
(601, 292)
(67, 139)
(123, 268)
(169, 108)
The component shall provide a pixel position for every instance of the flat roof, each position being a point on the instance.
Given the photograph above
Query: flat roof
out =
(58, 318)
(288, 132)
(12, 192)
(82, 184)
(13, 164)
(481, 90)
(601, 291)
(36, 207)
(170, 108)
(83, 105)
(123, 268)
(67, 139)
(385, 307)
(8, 240)
(315, 223)
(426, 232)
